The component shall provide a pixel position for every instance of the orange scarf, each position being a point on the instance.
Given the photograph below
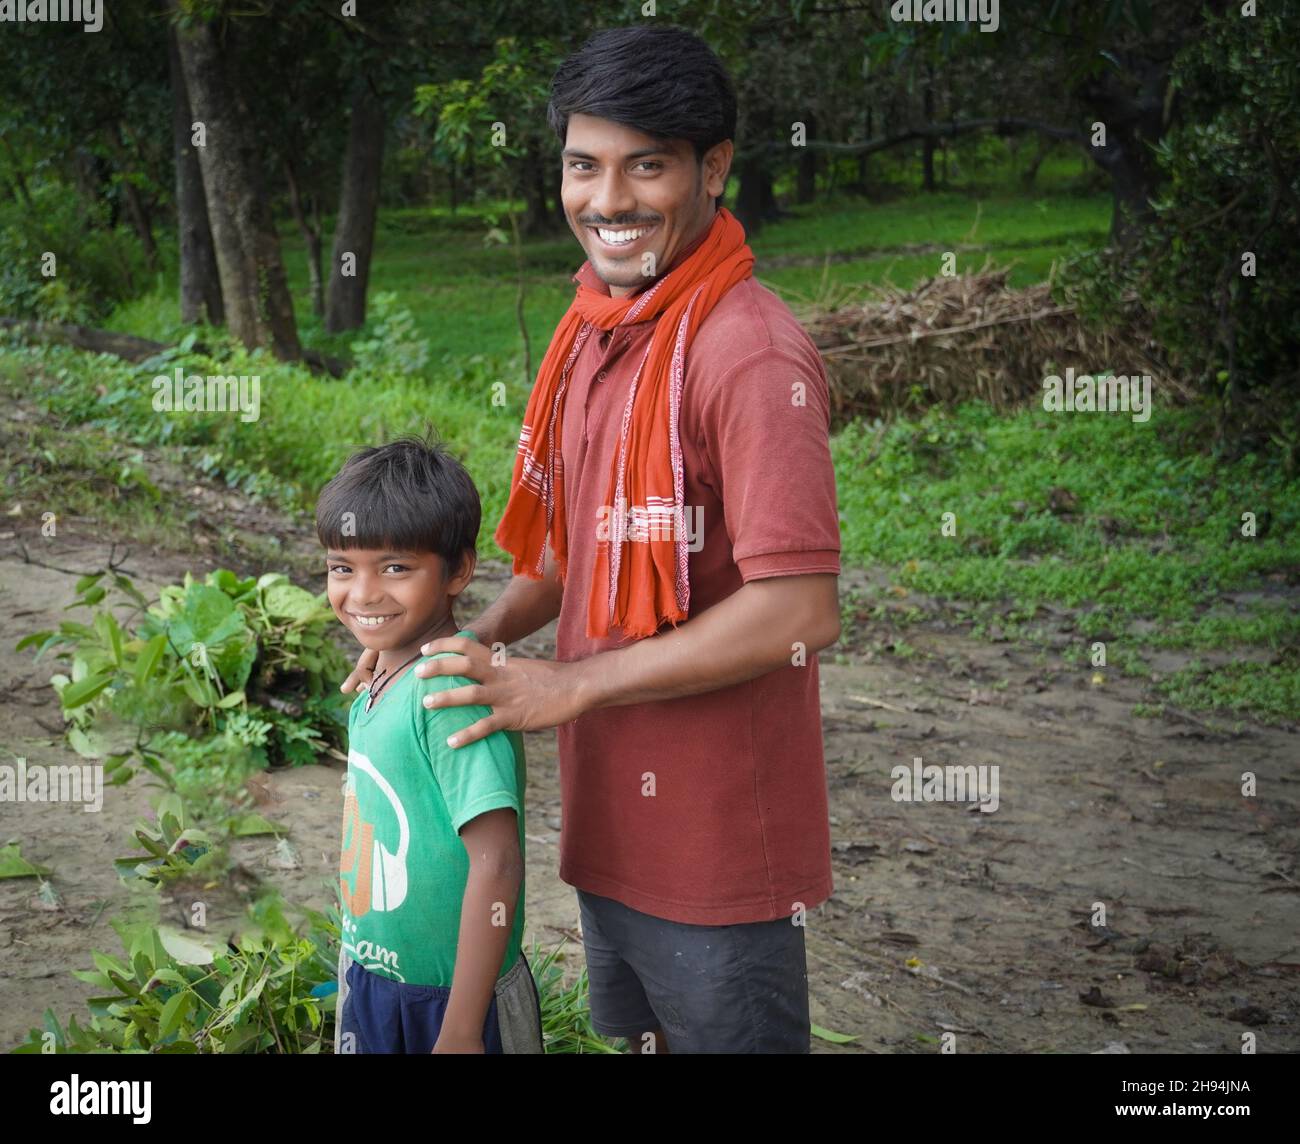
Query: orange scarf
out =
(640, 577)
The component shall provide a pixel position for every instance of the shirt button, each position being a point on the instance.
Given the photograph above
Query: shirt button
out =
(601, 375)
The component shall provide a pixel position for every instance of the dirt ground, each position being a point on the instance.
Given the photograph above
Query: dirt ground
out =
(945, 920)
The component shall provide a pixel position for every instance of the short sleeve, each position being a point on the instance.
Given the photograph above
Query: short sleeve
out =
(475, 778)
(765, 427)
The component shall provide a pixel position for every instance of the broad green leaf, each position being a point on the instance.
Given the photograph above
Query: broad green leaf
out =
(185, 948)
(288, 601)
(175, 1012)
(111, 635)
(13, 864)
(149, 659)
(86, 581)
(84, 690)
(247, 824)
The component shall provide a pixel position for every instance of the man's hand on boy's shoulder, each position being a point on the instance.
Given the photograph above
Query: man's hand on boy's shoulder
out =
(524, 694)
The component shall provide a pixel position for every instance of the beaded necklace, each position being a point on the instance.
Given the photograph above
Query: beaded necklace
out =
(386, 676)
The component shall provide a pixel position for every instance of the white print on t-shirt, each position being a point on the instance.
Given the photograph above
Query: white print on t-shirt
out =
(380, 874)
(368, 954)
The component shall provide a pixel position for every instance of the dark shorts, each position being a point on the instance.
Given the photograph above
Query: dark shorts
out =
(379, 1015)
(711, 989)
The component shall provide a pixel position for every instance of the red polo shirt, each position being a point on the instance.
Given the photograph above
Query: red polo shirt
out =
(737, 828)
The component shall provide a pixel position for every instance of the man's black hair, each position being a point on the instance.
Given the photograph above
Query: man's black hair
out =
(410, 495)
(662, 81)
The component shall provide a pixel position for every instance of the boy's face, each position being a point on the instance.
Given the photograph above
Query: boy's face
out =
(392, 600)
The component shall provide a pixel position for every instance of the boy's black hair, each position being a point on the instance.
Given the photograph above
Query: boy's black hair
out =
(410, 495)
(662, 81)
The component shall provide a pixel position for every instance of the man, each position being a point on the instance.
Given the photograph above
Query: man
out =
(673, 504)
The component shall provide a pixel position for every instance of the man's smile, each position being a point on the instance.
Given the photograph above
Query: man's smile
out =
(621, 240)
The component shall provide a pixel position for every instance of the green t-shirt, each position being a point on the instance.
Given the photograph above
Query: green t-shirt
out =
(403, 867)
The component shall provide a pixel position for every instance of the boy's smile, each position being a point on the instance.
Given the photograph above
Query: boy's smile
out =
(393, 602)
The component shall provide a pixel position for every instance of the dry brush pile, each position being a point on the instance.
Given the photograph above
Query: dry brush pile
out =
(964, 337)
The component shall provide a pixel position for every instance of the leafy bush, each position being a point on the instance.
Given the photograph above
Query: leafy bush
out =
(180, 992)
(272, 990)
(393, 345)
(95, 267)
(227, 670)
(1231, 169)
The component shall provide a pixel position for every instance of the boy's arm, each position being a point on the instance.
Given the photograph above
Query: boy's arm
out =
(496, 871)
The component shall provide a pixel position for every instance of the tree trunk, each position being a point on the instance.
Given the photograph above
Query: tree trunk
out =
(200, 283)
(1030, 174)
(749, 195)
(140, 221)
(927, 144)
(354, 231)
(254, 289)
(310, 236)
(755, 199)
(533, 182)
(1134, 125)
(864, 170)
(93, 185)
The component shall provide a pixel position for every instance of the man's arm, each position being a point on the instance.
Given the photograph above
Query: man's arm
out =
(524, 606)
(756, 629)
(496, 871)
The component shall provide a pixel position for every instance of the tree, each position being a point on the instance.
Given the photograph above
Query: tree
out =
(354, 232)
(498, 121)
(254, 289)
(200, 283)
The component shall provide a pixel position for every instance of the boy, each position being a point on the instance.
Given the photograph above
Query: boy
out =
(431, 870)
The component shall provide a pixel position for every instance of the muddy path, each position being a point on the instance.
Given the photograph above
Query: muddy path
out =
(946, 921)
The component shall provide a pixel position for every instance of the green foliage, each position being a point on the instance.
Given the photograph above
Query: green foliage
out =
(1267, 691)
(468, 111)
(1231, 168)
(241, 672)
(270, 991)
(185, 991)
(393, 346)
(95, 267)
(566, 1014)
(174, 850)
(179, 991)
(266, 459)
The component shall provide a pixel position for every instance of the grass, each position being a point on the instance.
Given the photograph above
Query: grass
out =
(1154, 534)
(566, 1012)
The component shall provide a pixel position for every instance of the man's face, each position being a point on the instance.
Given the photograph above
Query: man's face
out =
(633, 201)
(389, 600)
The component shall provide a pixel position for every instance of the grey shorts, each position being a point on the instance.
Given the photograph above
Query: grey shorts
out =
(711, 989)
